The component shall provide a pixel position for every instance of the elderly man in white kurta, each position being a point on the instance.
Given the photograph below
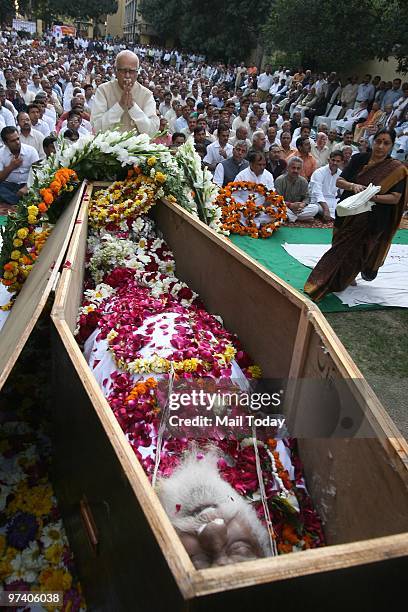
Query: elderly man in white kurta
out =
(124, 103)
(322, 186)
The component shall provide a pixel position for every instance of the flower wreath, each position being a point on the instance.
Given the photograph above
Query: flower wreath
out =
(232, 211)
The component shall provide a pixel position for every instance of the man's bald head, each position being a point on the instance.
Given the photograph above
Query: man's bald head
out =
(127, 67)
(127, 59)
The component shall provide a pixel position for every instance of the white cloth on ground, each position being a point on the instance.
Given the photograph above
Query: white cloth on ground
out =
(390, 288)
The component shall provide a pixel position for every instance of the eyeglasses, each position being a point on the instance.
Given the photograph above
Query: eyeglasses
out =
(130, 71)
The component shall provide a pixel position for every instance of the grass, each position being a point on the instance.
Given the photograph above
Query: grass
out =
(377, 340)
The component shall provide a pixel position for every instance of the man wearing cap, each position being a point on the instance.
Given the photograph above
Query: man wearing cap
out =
(125, 103)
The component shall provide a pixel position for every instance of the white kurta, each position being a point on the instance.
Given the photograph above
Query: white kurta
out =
(322, 188)
(266, 179)
(107, 113)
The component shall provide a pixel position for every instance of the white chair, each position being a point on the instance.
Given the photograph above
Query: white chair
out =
(332, 116)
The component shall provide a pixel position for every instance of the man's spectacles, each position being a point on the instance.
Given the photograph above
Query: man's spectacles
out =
(130, 71)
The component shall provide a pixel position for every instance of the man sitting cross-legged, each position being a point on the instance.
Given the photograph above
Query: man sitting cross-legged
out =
(294, 189)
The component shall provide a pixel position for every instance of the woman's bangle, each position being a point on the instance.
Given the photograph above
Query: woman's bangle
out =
(351, 186)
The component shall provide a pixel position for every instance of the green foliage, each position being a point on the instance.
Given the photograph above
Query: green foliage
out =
(8, 11)
(228, 30)
(329, 34)
(393, 33)
(333, 35)
(50, 10)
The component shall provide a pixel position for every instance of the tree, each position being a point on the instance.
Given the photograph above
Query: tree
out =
(87, 9)
(328, 34)
(80, 10)
(8, 10)
(227, 30)
(393, 39)
(333, 35)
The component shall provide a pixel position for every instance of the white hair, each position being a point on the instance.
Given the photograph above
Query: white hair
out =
(258, 133)
(127, 54)
(195, 494)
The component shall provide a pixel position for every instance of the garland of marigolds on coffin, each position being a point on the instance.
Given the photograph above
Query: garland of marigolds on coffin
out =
(140, 325)
(108, 155)
(244, 217)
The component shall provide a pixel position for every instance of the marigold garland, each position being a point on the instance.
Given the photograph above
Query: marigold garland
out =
(118, 206)
(233, 211)
(30, 232)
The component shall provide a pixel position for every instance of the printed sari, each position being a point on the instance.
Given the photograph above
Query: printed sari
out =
(360, 243)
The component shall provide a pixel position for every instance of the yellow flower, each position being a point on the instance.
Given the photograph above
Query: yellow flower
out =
(255, 371)
(31, 220)
(160, 177)
(55, 580)
(53, 554)
(35, 500)
(22, 233)
(151, 161)
(229, 353)
(7, 555)
(15, 255)
(32, 210)
(17, 242)
(8, 275)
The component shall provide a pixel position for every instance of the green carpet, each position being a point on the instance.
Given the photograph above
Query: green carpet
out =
(273, 256)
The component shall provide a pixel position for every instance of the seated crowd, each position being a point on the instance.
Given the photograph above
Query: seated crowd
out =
(290, 122)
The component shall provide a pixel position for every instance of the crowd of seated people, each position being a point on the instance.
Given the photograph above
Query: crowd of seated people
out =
(47, 90)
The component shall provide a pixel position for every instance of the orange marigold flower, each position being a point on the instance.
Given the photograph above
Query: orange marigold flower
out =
(290, 535)
(47, 196)
(42, 207)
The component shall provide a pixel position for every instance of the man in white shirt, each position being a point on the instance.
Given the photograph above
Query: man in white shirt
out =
(124, 101)
(351, 117)
(35, 85)
(28, 135)
(6, 116)
(27, 95)
(265, 81)
(219, 150)
(255, 173)
(16, 160)
(39, 124)
(322, 186)
(320, 150)
(241, 120)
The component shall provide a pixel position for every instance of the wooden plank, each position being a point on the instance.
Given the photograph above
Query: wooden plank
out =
(172, 548)
(294, 565)
(214, 268)
(34, 294)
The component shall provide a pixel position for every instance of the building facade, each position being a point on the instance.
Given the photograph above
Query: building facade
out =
(135, 27)
(115, 22)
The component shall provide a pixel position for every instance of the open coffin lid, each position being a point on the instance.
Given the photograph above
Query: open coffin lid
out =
(35, 291)
(360, 485)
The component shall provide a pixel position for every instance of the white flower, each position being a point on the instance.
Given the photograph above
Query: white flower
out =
(53, 534)
(32, 557)
(21, 571)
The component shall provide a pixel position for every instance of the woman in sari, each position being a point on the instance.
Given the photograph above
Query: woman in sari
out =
(361, 242)
(375, 116)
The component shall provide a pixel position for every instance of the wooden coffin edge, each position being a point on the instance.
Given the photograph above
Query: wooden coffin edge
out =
(196, 583)
(26, 309)
(310, 314)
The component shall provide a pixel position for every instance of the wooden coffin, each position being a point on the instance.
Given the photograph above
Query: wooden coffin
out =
(38, 286)
(129, 556)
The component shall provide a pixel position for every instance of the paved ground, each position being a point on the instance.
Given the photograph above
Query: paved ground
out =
(378, 342)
